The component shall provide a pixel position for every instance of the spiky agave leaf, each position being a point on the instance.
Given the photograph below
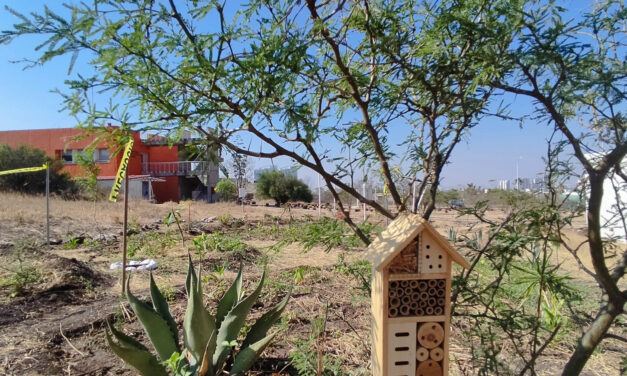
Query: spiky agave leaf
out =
(160, 305)
(134, 353)
(230, 298)
(206, 368)
(247, 356)
(264, 323)
(154, 325)
(231, 325)
(198, 324)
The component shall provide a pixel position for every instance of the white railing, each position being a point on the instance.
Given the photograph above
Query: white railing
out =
(180, 168)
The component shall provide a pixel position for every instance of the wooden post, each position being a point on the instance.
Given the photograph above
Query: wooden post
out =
(124, 232)
(48, 205)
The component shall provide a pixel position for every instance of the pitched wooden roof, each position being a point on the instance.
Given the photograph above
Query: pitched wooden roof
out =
(399, 234)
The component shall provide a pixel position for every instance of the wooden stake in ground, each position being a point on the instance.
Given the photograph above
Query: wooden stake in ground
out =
(125, 230)
(48, 205)
(117, 183)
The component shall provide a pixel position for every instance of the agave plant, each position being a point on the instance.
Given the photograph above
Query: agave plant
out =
(210, 342)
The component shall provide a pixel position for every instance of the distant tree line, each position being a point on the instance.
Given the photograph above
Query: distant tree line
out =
(33, 182)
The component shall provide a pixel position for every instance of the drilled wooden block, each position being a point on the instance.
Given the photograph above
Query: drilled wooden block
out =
(433, 259)
(430, 335)
(401, 349)
(429, 368)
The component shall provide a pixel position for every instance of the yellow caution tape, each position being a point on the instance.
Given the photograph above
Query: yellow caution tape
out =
(27, 169)
(386, 190)
(119, 178)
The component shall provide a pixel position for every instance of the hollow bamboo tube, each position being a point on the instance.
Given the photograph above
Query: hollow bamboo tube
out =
(419, 312)
(436, 354)
(438, 311)
(422, 354)
(404, 284)
(433, 291)
(408, 291)
(393, 285)
(393, 312)
(431, 302)
(441, 283)
(432, 282)
(406, 300)
(422, 286)
(441, 292)
(415, 296)
(441, 302)
(404, 310)
(424, 295)
(413, 305)
(423, 304)
(413, 284)
(429, 311)
(392, 293)
(395, 302)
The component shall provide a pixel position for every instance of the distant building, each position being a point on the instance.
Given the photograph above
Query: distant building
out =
(504, 185)
(154, 169)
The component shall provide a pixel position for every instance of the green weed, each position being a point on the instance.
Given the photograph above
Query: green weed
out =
(23, 275)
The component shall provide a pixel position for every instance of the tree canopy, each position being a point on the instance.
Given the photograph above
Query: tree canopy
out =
(226, 189)
(282, 188)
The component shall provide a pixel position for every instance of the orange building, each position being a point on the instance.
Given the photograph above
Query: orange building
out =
(155, 170)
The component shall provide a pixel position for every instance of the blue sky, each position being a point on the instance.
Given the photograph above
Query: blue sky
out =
(489, 154)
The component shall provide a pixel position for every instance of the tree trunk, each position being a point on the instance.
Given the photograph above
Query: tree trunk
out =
(592, 337)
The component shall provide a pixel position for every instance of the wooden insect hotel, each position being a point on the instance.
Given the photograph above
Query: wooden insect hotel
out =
(411, 298)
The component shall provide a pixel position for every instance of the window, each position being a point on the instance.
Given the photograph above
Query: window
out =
(67, 156)
(101, 155)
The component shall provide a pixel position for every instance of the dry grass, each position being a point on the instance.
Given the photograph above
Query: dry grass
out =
(347, 337)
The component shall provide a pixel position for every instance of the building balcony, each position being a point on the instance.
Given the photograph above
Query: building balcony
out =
(179, 168)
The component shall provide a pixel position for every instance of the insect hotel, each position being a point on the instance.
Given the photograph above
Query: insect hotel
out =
(411, 298)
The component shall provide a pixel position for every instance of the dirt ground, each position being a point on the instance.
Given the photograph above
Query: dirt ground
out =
(56, 328)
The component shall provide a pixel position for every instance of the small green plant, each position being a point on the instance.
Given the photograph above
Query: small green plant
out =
(309, 357)
(219, 242)
(73, 243)
(225, 219)
(174, 216)
(200, 245)
(218, 270)
(210, 342)
(21, 276)
(133, 226)
(299, 275)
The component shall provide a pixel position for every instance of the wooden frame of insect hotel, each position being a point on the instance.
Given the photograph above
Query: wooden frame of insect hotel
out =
(411, 298)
